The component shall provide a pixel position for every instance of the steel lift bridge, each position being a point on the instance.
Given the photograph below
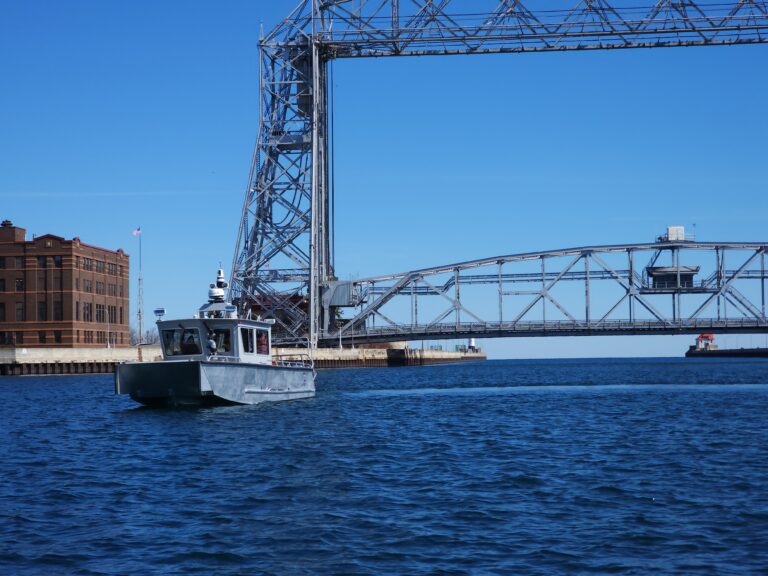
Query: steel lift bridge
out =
(283, 263)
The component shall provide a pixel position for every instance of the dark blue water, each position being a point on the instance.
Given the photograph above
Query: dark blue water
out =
(515, 467)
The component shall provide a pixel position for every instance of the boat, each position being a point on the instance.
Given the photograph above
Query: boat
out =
(215, 358)
(705, 347)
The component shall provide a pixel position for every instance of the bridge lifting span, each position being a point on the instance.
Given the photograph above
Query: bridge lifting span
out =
(283, 263)
(666, 287)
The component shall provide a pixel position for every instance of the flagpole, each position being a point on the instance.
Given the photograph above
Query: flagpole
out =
(141, 300)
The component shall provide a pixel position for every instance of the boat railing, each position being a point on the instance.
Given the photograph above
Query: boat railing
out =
(293, 361)
(218, 358)
(282, 360)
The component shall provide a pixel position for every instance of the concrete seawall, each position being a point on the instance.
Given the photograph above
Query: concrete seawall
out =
(32, 361)
(39, 361)
(382, 358)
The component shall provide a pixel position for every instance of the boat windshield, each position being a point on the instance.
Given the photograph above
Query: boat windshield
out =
(181, 342)
(255, 340)
(222, 339)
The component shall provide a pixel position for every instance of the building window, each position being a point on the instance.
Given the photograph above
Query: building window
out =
(42, 281)
(87, 312)
(2, 284)
(57, 336)
(77, 284)
(2, 311)
(19, 338)
(87, 286)
(57, 262)
(100, 287)
(21, 315)
(42, 315)
(77, 310)
(88, 336)
(112, 313)
(121, 315)
(2, 262)
(57, 280)
(87, 264)
(58, 313)
(121, 291)
(41, 262)
(41, 336)
(99, 266)
(78, 336)
(77, 261)
(101, 315)
(19, 261)
(19, 284)
(112, 289)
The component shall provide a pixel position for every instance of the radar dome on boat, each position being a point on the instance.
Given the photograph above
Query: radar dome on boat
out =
(216, 293)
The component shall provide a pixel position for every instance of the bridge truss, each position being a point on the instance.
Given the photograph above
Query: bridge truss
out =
(665, 287)
(283, 263)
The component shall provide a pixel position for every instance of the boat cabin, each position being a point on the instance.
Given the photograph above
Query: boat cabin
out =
(216, 334)
(705, 342)
(216, 340)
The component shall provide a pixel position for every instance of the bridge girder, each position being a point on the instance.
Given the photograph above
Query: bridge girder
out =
(721, 287)
(283, 261)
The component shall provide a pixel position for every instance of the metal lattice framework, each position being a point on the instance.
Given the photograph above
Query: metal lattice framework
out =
(659, 288)
(283, 263)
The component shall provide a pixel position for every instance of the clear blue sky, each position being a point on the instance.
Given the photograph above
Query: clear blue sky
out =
(115, 115)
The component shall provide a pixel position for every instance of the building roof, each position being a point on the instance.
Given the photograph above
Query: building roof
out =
(10, 234)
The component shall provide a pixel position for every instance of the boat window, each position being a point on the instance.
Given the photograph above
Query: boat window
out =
(223, 340)
(247, 336)
(262, 341)
(181, 342)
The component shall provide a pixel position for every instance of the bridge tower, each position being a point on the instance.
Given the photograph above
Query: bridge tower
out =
(283, 263)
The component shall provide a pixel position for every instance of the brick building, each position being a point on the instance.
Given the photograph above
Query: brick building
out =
(61, 293)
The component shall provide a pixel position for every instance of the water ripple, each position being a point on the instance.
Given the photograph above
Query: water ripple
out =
(532, 467)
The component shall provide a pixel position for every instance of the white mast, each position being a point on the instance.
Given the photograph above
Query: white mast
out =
(140, 313)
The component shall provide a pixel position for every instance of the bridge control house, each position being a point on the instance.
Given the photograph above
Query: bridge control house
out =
(61, 293)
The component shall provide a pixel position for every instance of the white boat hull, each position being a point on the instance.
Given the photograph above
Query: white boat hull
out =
(179, 383)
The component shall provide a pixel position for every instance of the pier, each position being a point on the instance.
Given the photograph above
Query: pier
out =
(384, 357)
(56, 368)
(53, 361)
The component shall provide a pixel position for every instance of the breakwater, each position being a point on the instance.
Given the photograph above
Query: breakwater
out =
(382, 357)
(51, 361)
(43, 361)
(693, 352)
